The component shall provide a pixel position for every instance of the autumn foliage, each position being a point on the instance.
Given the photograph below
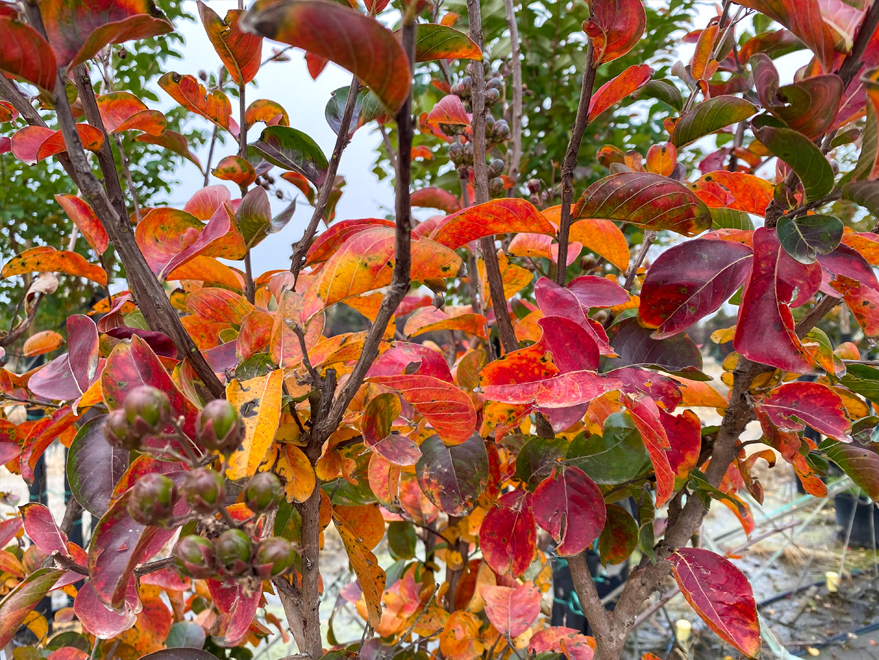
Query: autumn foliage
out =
(522, 369)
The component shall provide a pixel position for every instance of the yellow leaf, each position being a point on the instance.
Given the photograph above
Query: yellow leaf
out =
(460, 638)
(604, 238)
(515, 278)
(699, 393)
(259, 402)
(295, 469)
(723, 335)
(370, 575)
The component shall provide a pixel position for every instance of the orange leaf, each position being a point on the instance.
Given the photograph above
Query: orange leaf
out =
(42, 342)
(238, 50)
(86, 220)
(618, 88)
(49, 260)
(192, 95)
(604, 238)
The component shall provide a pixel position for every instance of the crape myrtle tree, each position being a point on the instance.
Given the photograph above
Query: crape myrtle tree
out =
(215, 431)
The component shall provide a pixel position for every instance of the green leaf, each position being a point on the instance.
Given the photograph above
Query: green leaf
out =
(185, 634)
(722, 218)
(367, 108)
(441, 42)
(801, 154)
(293, 150)
(665, 91)
(869, 147)
(805, 237)
(538, 458)
(862, 379)
(710, 116)
(402, 539)
(613, 458)
(860, 463)
(865, 193)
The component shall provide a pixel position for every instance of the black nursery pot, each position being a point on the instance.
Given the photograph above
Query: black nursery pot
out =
(861, 529)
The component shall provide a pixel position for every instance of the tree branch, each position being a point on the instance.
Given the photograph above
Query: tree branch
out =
(342, 139)
(570, 163)
(146, 289)
(480, 170)
(515, 58)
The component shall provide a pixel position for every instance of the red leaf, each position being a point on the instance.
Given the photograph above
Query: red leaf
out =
(684, 433)
(396, 360)
(803, 18)
(326, 244)
(242, 616)
(15, 607)
(239, 51)
(123, 111)
(689, 281)
(68, 376)
(119, 544)
(721, 595)
(98, 619)
(135, 364)
(508, 535)
(376, 424)
(498, 216)
(848, 262)
(169, 238)
(86, 220)
(567, 641)
(219, 305)
(765, 332)
(446, 408)
(561, 391)
(615, 27)
(792, 404)
(8, 530)
(646, 416)
(352, 40)
(41, 528)
(78, 30)
(449, 110)
(435, 198)
(616, 89)
(571, 346)
(25, 54)
(571, 508)
(619, 538)
(512, 610)
(575, 301)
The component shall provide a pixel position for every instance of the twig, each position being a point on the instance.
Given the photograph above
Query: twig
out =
(207, 167)
(154, 566)
(126, 169)
(392, 155)
(31, 402)
(570, 162)
(320, 205)
(70, 514)
(515, 58)
(632, 272)
(315, 376)
(480, 170)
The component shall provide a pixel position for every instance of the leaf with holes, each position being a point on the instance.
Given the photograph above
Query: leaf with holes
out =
(647, 200)
(239, 51)
(721, 595)
(689, 281)
(352, 40)
(571, 508)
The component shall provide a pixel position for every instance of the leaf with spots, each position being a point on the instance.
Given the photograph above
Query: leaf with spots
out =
(258, 400)
(614, 27)
(240, 52)
(689, 281)
(512, 610)
(453, 478)
(646, 200)
(721, 596)
(46, 259)
(370, 575)
(41, 343)
(192, 95)
(508, 536)
(23, 598)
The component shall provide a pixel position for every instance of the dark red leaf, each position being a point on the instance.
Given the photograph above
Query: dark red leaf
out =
(41, 528)
(101, 621)
(646, 416)
(508, 535)
(792, 404)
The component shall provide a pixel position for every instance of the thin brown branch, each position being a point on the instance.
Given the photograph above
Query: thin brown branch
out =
(71, 512)
(323, 197)
(18, 331)
(516, 61)
(570, 163)
(207, 167)
(154, 566)
(400, 281)
(480, 170)
(148, 292)
(126, 169)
